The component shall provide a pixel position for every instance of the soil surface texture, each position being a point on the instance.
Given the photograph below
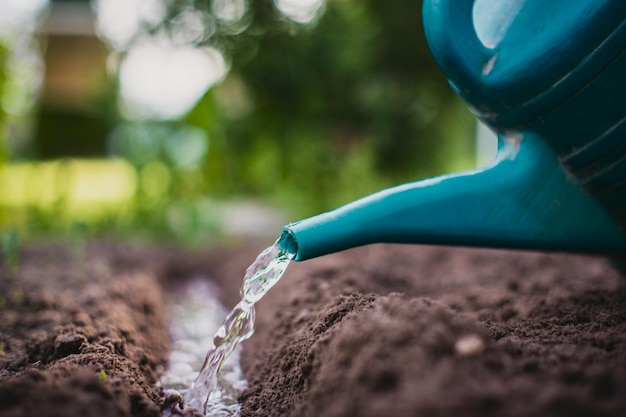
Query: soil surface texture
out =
(382, 330)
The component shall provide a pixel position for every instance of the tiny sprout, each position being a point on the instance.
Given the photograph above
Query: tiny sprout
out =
(18, 297)
(103, 375)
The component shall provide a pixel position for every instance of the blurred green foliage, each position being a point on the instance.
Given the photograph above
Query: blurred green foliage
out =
(310, 116)
(319, 115)
(9, 250)
(4, 55)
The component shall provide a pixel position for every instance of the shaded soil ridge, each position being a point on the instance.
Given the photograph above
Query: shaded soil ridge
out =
(81, 334)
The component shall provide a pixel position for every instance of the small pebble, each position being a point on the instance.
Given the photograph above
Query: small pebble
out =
(469, 345)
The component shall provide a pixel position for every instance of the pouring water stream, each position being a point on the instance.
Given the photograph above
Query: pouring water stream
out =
(206, 394)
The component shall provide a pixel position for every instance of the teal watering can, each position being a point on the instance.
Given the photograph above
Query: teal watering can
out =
(549, 77)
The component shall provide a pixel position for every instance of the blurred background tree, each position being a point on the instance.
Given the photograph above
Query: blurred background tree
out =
(341, 106)
(304, 104)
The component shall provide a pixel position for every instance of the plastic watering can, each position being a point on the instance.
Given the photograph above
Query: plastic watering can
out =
(550, 78)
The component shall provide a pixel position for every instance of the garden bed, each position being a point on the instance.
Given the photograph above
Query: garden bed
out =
(381, 330)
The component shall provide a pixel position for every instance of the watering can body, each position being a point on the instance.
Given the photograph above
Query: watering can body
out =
(555, 69)
(550, 79)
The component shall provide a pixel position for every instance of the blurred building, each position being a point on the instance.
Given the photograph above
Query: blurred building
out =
(72, 120)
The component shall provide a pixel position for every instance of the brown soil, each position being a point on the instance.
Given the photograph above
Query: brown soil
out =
(380, 330)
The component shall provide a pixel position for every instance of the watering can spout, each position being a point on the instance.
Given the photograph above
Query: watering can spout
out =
(522, 200)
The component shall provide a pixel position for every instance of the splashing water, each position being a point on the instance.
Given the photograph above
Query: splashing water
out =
(206, 394)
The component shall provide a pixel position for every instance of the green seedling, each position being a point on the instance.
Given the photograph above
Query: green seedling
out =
(103, 375)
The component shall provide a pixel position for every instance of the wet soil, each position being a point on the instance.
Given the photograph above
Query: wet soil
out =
(394, 330)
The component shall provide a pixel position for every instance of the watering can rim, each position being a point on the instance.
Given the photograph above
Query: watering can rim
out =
(473, 68)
